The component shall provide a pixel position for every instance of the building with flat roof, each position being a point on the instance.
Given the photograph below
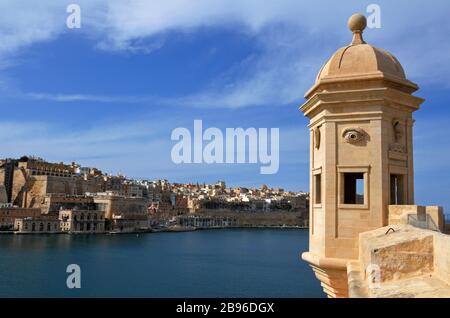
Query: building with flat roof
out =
(9, 213)
(82, 221)
(37, 225)
(121, 213)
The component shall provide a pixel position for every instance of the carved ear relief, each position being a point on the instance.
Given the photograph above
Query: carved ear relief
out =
(317, 137)
(398, 129)
(354, 135)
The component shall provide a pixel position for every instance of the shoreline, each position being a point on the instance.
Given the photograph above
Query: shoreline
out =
(192, 229)
(177, 229)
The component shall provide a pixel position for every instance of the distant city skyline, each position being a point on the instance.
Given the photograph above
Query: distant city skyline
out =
(137, 179)
(109, 94)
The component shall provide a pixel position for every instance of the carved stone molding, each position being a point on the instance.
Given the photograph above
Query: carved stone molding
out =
(396, 147)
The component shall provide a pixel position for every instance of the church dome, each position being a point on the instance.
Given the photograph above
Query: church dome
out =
(360, 59)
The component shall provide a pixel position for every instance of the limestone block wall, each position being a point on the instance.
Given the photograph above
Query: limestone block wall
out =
(19, 183)
(442, 256)
(409, 262)
(432, 216)
(437, 216)
(259, 218)
(3, 195)
(402, 253)
(398, 214)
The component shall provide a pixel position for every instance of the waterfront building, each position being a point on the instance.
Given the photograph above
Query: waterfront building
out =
(82, 221)
(205, 222)
(123, 214)
(37, 225)
(9, 213)
(54, 202)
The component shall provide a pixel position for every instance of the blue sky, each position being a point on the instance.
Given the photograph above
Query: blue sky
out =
(110, 94)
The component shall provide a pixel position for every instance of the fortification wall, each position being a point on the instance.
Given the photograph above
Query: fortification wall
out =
(252, 219)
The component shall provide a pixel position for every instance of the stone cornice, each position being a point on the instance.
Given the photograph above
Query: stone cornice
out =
(407, 85)
(373, 96)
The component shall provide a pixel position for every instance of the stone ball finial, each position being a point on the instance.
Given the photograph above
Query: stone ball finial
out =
(357, 23)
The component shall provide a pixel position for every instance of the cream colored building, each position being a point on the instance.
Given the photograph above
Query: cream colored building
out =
(82, 221)
(39, 225)
(121, 213)
(361, 156)
(9, 213)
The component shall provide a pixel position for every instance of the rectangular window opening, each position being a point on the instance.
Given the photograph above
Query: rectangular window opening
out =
(397, 189)
(318, 188)
(354, 188)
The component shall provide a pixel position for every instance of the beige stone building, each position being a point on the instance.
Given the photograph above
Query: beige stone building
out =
(8, 215)
(28, 181)
(361, 156)
(37, 225)
(82, 221)
(123, 214)
(54, 202)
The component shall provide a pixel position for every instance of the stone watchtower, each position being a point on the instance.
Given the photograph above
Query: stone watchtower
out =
(361, 152)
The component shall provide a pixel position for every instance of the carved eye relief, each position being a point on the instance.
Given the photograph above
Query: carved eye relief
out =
(353, 135)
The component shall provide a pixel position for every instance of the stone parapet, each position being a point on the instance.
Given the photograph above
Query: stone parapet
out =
(401, 261)
(436, 214)
(398, 214)
(429, 217)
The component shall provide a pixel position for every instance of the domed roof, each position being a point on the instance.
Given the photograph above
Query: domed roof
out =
(360, 58)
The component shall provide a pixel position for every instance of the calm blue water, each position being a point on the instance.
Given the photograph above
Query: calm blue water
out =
(218, 263)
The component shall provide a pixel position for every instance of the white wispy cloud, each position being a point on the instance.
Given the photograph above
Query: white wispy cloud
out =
(90, 98)
(294, 37)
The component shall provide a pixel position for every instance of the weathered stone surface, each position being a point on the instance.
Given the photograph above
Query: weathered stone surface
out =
(426, 286)
(398, 214)
(411, 263)
(401, 254)
(3, 195)
(436, 213)
(442, 258)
